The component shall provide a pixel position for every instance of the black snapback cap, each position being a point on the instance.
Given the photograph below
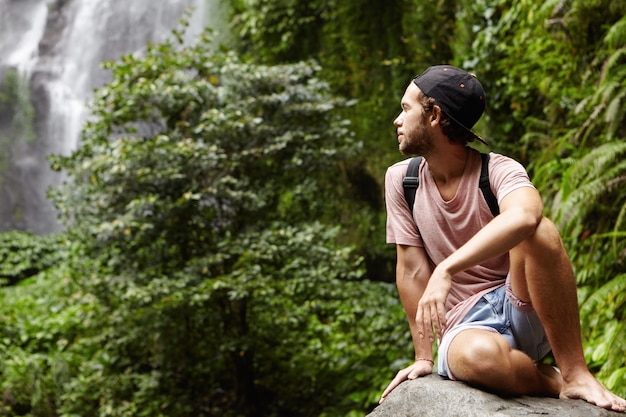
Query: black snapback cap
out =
(459, 94)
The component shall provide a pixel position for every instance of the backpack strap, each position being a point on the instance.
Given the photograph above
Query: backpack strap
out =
(411, 181)
(485, 187)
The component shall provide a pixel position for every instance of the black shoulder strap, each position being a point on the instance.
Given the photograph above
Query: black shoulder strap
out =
(411, 181)
(485, 187)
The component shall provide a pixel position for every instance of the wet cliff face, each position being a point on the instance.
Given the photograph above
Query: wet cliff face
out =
(50, 57)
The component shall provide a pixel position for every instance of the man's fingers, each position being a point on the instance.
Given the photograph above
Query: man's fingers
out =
(430, 320)
(441, 312)
(414, 371)
(434, 328)
(419, 321)
(400, 376)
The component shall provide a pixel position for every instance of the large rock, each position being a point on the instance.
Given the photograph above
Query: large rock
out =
(438, 397)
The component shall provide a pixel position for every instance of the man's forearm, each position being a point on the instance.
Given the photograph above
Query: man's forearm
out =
(411, 290)
(412, 274)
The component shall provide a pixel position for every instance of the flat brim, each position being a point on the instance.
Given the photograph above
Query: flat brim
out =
(479, 138)
(466, 128)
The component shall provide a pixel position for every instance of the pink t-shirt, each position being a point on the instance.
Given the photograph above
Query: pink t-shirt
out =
(444, 226)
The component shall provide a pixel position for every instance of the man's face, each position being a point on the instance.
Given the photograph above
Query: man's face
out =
(411, 124)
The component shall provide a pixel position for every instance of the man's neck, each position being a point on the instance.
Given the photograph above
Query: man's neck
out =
(448, 164)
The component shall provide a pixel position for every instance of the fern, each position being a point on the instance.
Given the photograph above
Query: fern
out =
(605, 332)
(588, 182)
(594, 306)
(591, 202)
(616, 35)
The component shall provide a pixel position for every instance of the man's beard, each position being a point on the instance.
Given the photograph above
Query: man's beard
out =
(416, 142)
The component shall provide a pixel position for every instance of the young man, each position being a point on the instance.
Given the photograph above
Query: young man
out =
(498, 292)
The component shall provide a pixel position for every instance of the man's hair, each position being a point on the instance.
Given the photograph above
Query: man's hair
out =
(454, 131)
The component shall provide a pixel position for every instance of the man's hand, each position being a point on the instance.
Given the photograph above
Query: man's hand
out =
(419, 368)
(430, 318)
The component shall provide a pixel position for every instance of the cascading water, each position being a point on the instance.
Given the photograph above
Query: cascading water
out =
(50, 62)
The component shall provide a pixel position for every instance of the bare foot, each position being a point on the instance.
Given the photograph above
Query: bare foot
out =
(586, 387)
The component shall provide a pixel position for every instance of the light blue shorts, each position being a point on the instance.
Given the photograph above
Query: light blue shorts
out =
(501, 312)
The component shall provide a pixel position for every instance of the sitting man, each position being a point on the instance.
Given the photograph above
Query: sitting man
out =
(499, 292)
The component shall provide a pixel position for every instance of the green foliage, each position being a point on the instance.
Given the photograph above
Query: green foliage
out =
(23, 255)
(539, 60)
(206, 274)
(592, 185)
(199, 194)
(554, 79)
(189, 146)
(43, 324)
(292, 311)
(606, 332)
(368, 50)
(16, 112)
(585, 171)
(15, 105)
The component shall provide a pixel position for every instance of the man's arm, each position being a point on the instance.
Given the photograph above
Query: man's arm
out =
(412, 274)
(520, 213)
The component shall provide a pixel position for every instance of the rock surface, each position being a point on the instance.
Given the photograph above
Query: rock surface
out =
(436, 396)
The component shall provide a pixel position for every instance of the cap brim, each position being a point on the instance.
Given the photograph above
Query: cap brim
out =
(479, 138)
(465, 127)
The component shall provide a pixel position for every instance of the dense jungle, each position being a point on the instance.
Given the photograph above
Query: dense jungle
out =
(224, 245)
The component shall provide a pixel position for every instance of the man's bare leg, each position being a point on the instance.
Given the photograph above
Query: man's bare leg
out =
(484, 358)
(541, 273)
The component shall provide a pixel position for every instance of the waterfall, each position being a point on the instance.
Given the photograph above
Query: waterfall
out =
(50, 62)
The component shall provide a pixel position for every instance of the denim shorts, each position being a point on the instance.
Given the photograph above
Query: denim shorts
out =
(501, 312)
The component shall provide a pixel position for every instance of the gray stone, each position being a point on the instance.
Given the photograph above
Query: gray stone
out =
(435, 396)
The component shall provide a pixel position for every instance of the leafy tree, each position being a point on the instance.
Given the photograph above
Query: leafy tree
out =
(199, 193)
(368, 50)
(538, 61)
(190, 146)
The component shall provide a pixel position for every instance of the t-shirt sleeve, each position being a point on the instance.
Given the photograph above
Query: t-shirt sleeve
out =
(506, 175)
(401, 228)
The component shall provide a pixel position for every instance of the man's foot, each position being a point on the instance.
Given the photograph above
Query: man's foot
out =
(586, 387)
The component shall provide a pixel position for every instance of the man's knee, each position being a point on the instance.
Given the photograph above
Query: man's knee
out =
(547, 230)
(475, 353)
(545, 241)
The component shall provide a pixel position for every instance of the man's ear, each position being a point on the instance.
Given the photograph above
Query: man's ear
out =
(435, 115)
